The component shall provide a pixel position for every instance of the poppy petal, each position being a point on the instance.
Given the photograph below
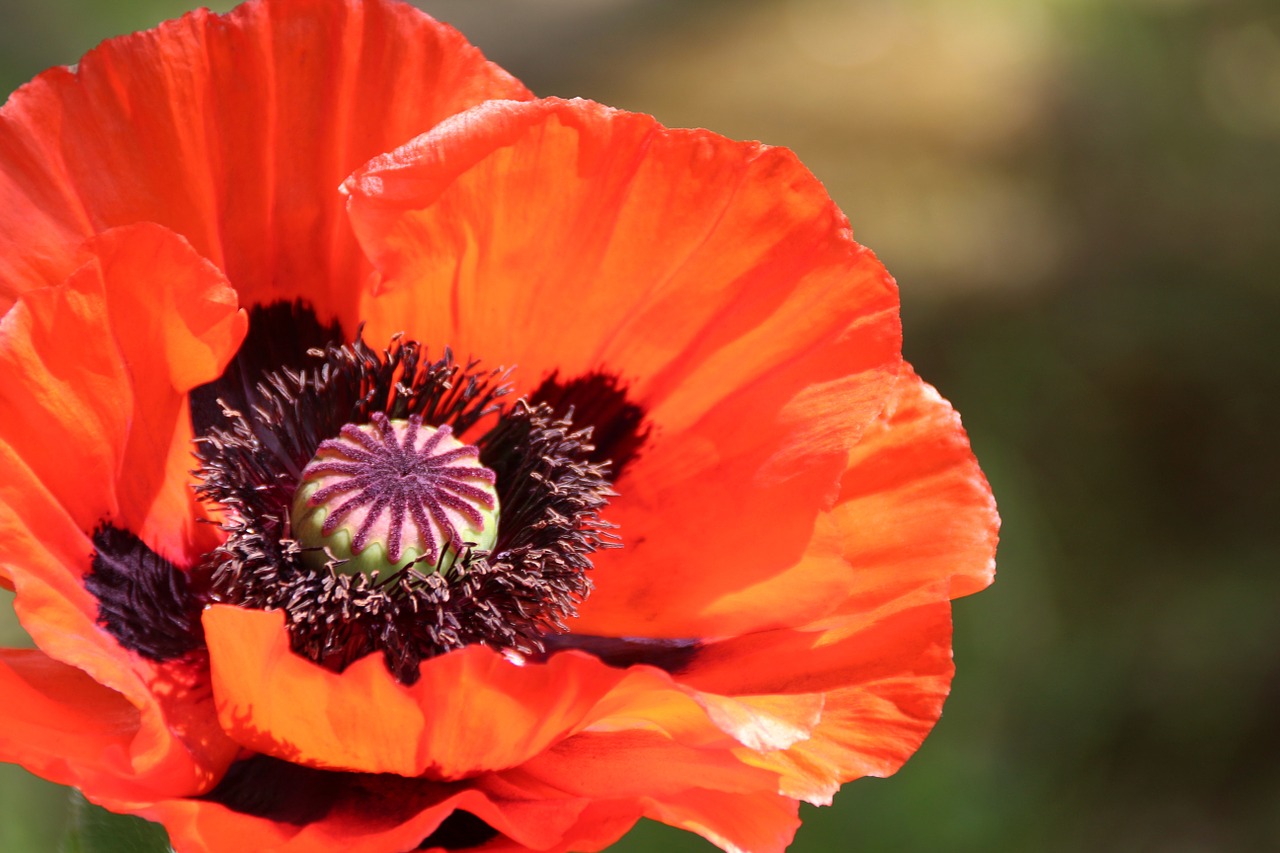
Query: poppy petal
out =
(765, 723)
(287, 807)
(471, 710)
(62, 724)
(373, 816)
(362, 823)
(736, 823)
(758, 338)
(865, 731)
(598, 765)
(503, 716)
(177, 745)
(913, 471)
(698, 789)
(599, 824)
(98, 368)
(38, 542)
(914, 506)
(233, 131)
(68, 727)
(883, 677)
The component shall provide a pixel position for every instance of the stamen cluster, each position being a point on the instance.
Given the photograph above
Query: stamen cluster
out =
(511, 597)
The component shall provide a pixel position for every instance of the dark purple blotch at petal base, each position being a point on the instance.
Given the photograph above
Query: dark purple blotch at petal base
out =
(144, 601)
(669, 655)
(280, 336)
(599, 400)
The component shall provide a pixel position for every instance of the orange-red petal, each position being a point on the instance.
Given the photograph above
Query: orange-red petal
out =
(736, 823)
(123, 750)
(95, 427)
(708, 791)
(62, 724)
(915, 525)
(99, 368)
(472, 710)
(581, 795)
(359, 824)
(375, 817)
(233, 131)
(633, 764)
(715, 277)
(882, 677)
(914, 507)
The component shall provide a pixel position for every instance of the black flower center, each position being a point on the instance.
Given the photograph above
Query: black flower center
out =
(410, 459)
(369, 435)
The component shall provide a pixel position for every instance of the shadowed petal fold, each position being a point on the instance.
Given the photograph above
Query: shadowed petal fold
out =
(388, 814)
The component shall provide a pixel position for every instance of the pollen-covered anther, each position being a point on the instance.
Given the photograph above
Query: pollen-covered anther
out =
(391, 493)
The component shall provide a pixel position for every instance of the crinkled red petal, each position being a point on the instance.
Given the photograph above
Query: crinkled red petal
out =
(380, 815)
(632, 764)
(915, 525)
(914, 507)
(233, 130)
(757, 336)
(472, 710)
(63, 725)
(707, 791)
(96, 428)
(736, 823)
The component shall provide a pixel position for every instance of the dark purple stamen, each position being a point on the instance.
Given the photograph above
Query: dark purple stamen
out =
(144, 601)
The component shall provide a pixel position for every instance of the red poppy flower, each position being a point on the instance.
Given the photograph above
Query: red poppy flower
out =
(260, 232)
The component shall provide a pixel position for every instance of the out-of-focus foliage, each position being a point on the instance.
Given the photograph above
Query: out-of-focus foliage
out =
(1080, 200)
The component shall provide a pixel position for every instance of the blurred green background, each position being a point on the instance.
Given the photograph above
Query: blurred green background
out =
(1081, 201)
